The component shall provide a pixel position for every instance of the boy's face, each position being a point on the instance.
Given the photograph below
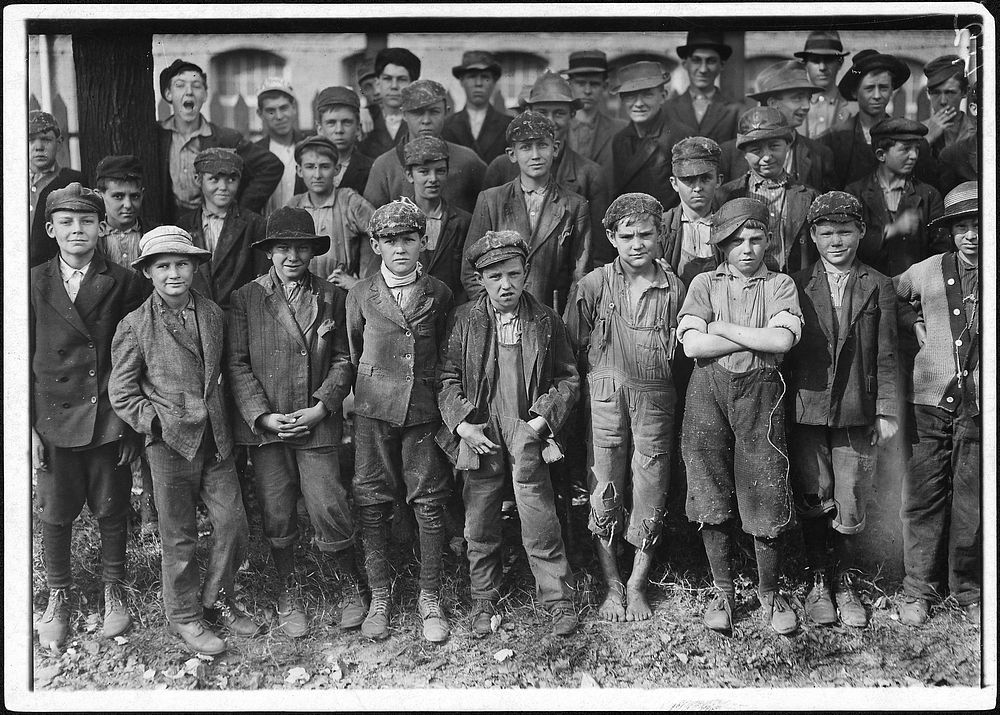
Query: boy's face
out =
(391, 83)
(504, 283)
(278, 114)
(534, 156)
(317, 170)
(42, 150)
(745, 250)
(428, 178)
(76, 232)
(400, 252)
(794, 105)
(290, 258)
(874, 93)
(703, 66)
(837, 241)
(589, 89)
(478, 86)
(767, 157)
(560, 114)
(965, 234)
(900, 157)
(339, 125)
(948, 94)
(370, 91)
(822, 69)
(635, 238)
(122, 202)
(219, 190)
(698, 191)
(171, 274)
(187, 93)
(426, 121)
(643, 106)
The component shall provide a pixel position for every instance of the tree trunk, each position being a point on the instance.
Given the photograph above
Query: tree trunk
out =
(117, 107)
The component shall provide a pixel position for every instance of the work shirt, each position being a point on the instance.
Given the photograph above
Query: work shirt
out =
(300, 301)
(700, 101)
(344, 217)
(476, 119)
(340, 169)
(433, 229)
(183, 150)
(581, 135)
(825, 110)
(771, 192)
(211, 224)
(392, 124)
(534, 202)
(286, 187)
(184, 320)
(968, 276)
(72, 278)
(121, 245)
(892, 190)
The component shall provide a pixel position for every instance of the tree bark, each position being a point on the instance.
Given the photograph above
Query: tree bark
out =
(117, 107)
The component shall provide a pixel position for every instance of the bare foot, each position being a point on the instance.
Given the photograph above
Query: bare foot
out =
(638, 608)
(613, 608)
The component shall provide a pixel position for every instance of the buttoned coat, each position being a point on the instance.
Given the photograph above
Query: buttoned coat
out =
(812, 163)
(161, 376)
(559, 248)
(377, 142)
(233, 261)
(271, 367)
(387, 180)
(395, 358)
(844, 375)
(798, 199)
(70, 350)
(41, 247)
(469, 368)
(719, 122)
(671, 242)
(643, 164)
(492, 139)
(895, 255)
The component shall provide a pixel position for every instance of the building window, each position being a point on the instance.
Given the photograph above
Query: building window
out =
(234, 80)
(520, 69)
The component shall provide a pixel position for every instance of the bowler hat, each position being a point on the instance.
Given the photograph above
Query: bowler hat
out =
(638, 76)
(398, 56)
(292, 224)
(124, 167)
(762, 123)
(550, 87)
(941, 69)
(705, 39)
(422, 93)
(961, 201)
(822, 42)
(74, 197)
(395, 218)
(784, 76)
(218, 160)
(334, 96)
(733, 214)
(424, 149)
(630, 205)
(477, 60)
(40, 122)
(176, 67)
(496, 246)
(276, 84)
(317, 143)
(587, 62)
(168, 239)
(836, 206)
(869, 61)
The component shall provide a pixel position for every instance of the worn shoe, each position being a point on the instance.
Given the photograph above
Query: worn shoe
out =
(974, 612)
(376, 623)
(226, 614)
(199, 639)
(849, 606)
(564, 619)
(819, 602)
(436, 628)
(116, 617)
(483, 611)
(292, 620)
(778, 614)
(915, 611)
(353, 607)
(54, 623)
(719, 613)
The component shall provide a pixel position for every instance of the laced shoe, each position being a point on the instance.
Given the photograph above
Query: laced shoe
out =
(376, 623)
(915, 611)
(819, 602)
(116, 616)
(483, 611)
(564, 619)
(719, 613)
(353, 607)
(54, 623)
(436, 628)
(226, 614)
(292, 620)
(778, 614)
(199, 639)
(849, 607)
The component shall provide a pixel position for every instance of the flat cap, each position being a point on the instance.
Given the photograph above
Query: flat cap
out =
(276, 84)
(396, 217)
(40, 122)
(74, 197)
(424, 149)
(318, 143)
(695, 155)
(398, 56)
(638, 76)
(123, 167)
(586, 62)
(960, 202)
(761, 123)
(898, 128)
(784, 76)
(364, 70)
(217, 160)
(870, 61)
(823, 42)
(292, 224)
(177, 67)
(836, 206)
(550, 87)
(529, 125)
(168, 239)
(496, 246)
(423, 93)
(711, 40)
(941, 69)
(334, 96)
(733, 214)
(477, 60)
(630, 205)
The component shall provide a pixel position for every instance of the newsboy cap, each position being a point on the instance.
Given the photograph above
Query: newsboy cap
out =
(217, 160)
(398, 56)
(941, 69)
(898, 129)
(960, 202)
(550, 87)
(762, 123)
(168, 239)
(784, 76)
(630, 205)
(496, 246)
(870, 61)
(838, 206)
(123, 167)
(477, 60)
(364, 70)
(822, 42)
(276, 84)
(707, 39)
(733, 214)
(695, 155)
(292, 224)
(638, 76)
(337, 96)
(177, 67)
(74, 197)
(40, 122)
(587, 62)
(423, 93)
(396, 217)
(529, 125)
(318, 143)
(424, 149)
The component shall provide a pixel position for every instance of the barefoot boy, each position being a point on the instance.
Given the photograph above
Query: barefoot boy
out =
(622, 324)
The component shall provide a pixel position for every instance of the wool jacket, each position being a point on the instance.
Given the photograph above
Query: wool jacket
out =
(164, 384)
(41, 248)
(70, 351)
(492, 139)
(605, 129)
(377, 142)
(719, 122)
(643, 164)
(272, 365)
(671, 242)
(297, 135)
(844, 375)
(387, 180)
(812, 163)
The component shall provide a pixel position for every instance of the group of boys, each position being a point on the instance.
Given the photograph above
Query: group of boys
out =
(225, 334)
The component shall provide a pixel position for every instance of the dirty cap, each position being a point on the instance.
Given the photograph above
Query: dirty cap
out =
(423, 93)
(823, 42)
(424, 149)
(869, 61)
(897, 129)
(40, 122)
(496, 246)
(961, 201)
(529, 125)
(587, 62)
(168, 239)
(941, 69)
(76, 198)
(733, 214)
(276, 84)
(177, 67)
(217, 160)
(292, 224)
(762, 123)
(694, 156)
(123, 167)
(837, 206)
(638, 76)
(317, 143)
(630, 205)
(337, 96)
(784, 76)
(550, 87)
(395, 218)
(477, 60)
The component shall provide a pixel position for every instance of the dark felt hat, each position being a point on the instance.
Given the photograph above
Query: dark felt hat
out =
(550, 87)
(398, 56)
(218, 160)
(74, 197)
(477, 60)
(337, 96)
(708, 39)
(869, 61)
(941, 69)
(960, 202)
(292, 224)
(639, 76)
(168, 239)
(733, 214)
(784, 76)
(123, 167)
(586, 62)
(40, 122)
(176, 67)
(823, 42)
(496, 246)
(762, 123)
(834, 206)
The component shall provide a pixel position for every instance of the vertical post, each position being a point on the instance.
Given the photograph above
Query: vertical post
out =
(732, 80)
